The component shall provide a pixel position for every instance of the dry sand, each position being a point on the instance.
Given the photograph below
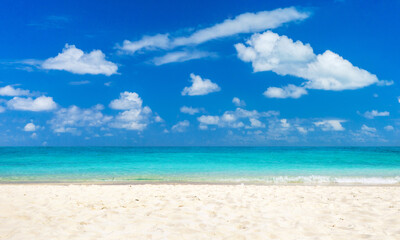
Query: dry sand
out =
(198, 212)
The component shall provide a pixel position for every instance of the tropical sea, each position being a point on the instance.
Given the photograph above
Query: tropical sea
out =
(263, 165)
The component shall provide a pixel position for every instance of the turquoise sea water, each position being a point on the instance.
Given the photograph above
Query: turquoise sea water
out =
(353, 165)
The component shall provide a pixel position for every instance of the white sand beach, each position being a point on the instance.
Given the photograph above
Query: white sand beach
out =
(168, 211)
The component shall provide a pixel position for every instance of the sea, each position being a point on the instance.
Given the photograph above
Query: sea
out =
(237, 165)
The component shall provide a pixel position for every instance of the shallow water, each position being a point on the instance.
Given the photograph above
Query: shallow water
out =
(360, 165)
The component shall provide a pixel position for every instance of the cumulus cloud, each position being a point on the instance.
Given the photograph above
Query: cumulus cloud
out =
(158, 119)
(365, 128)
(30, 127)
(68, 120)
(243, 23)
(284, 123)
(240, 118)
(389, 128)
(200, 86)
(289, 91)
(327, 71)
(302, 130)
(181, 126)
(76, 61)
(127, 100)
(374, 113)
(38, 104)
(181, 56)
(189, 110)
(10, 91)
(330, 125)
(238, 102)
(135, 117)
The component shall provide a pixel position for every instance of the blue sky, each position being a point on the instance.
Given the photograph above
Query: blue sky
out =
(143, 73)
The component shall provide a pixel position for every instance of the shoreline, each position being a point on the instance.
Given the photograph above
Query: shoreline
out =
(186, 183)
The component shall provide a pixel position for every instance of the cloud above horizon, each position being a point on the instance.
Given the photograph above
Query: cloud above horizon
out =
(330, 125)
(243, 23)
(240, 118)
(327, 71)
(135, 116)
(181, 56)
(69, 120)
(10, 91)
(289, 91)
(189, 110)
(74, 60)
(38, 104)
(181, 126)
(374, 113)
(200, 86)
(30, 127)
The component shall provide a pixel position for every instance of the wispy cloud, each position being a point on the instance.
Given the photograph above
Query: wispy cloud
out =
(374, 113)
(243, 23)
(181, 56)
(84, 82)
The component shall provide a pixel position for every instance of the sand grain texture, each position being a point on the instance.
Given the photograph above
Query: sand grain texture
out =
(198, 212)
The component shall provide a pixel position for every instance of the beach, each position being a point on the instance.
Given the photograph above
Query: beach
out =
(198, 211)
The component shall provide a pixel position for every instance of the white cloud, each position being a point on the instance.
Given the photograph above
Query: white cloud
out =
(208, 120)
(374, 113)
(289, 91)
(2, 109)
(328, 71)
(200, 86)
(284, 123)
(243, 23)
(385, 83)
(240, 118)
(255, 123)
(398, 99)
(135, 117)
(159, 41)
(302, 130)
(84, 82)
(76, 61)
(389, 128)
(189, 110)
(181, 126)
(365, 128)
(127, 100)
(38, 104)
(158, 119)
(330, 125)
(180, 56)
(10, 91)
(30, 127)
(68, 120)
(238, 102)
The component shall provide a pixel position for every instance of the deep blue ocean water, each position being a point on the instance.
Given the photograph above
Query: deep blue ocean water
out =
(359, 165)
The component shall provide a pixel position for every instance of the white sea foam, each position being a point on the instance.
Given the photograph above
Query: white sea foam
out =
(313, 179)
